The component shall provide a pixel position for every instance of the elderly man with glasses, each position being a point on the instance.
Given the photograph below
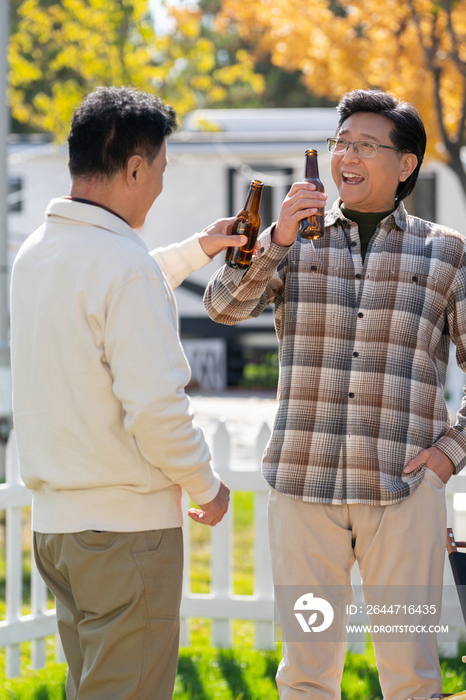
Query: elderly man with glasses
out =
(362, 444)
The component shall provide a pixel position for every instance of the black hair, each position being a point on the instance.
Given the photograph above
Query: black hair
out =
(408, 132)
(111, 125)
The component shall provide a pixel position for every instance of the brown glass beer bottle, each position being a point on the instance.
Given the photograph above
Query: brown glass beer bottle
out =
(313, 226)
(247, 223)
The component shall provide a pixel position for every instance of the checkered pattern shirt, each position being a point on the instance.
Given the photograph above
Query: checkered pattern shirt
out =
(363, 353)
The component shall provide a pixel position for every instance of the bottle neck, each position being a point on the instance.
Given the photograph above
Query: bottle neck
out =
(311, 170)
(253, 199)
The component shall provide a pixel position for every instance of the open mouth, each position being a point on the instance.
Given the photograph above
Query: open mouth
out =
(351, 178)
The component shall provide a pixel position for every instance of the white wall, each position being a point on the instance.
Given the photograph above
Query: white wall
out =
(194, 196)
(195, 192)
(451, 201)
(43, 178)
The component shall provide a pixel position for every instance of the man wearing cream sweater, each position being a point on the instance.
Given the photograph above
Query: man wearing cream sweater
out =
(105, 432)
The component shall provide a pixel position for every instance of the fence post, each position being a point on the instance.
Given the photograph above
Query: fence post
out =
(448, 641)
(261, 443)
(221, 446)
(185, 633)
(221, 541)
(263, 584)
(221, 578)
(38, 607)
(356, 641)
(14, 549)
(60, 657)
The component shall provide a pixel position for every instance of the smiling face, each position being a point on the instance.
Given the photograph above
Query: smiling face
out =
(370, 184)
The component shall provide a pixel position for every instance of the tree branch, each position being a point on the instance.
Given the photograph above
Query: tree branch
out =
(429, 53)
(454, 39)
(453, 147)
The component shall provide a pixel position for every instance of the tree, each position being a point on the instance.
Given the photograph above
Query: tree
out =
(60, 51)
(196, 66)
(281, 88)
(415, 49)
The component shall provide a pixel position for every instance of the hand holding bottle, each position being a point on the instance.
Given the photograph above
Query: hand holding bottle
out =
(247, 222)
(215, 238)
(313, 227)
(302, 201)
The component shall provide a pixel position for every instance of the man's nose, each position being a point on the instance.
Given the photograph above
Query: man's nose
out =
(350, 154)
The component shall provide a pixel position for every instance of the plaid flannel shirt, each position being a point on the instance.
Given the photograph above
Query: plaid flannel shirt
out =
(363, 353)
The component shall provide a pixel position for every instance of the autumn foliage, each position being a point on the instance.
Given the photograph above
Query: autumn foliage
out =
(415, 49)
(60, 51)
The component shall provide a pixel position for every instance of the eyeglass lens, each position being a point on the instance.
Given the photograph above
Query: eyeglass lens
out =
(361, 148)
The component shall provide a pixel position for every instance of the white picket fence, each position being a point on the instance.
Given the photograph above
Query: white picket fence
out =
(221, 606)
(41, 622)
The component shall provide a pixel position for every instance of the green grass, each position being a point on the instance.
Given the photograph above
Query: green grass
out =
(230, 674)
(205, 673)
(243, 543)
(240, 674)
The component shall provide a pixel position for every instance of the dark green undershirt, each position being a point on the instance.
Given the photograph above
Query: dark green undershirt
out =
(367, 223)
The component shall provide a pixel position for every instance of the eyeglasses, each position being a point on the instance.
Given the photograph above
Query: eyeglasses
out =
(365, 149)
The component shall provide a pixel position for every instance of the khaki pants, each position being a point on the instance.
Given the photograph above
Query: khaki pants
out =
(401, 544)
(118, 598)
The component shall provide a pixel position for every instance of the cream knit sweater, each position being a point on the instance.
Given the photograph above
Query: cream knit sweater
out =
(105, 433)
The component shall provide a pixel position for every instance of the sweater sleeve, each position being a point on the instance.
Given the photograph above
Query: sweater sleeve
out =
(149, 372)
(179, 260)
(453, 443)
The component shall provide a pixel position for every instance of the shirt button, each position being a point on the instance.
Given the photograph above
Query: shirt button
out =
(313, 267)
(355, 354)
(353, 244)
(358, 276)
(351, 395)
(415, 278)
(360, 315)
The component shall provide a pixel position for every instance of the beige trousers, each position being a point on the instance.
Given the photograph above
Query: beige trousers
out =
(118, 598)
(397, 545)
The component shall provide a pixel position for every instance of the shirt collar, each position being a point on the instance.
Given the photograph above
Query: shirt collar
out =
(398, 217)
(86, 214)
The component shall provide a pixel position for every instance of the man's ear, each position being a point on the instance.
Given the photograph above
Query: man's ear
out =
(133, 170)
(408, 165)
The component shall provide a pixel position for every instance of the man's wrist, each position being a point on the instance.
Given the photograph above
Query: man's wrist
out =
(278, 238)
(443, 448)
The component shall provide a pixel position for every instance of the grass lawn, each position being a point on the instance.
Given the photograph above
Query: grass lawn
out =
(204, 673)
(231, 674)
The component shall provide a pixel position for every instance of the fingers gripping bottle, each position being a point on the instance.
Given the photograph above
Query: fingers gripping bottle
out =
(313, 226)
(247, 223)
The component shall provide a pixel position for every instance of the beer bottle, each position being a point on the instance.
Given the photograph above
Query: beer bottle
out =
(313, 226)
(247, 223)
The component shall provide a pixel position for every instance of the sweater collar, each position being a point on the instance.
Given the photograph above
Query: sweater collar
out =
(69, 211)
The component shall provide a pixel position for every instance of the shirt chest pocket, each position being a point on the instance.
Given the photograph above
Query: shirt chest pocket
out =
(317, 293)
(405, 297)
